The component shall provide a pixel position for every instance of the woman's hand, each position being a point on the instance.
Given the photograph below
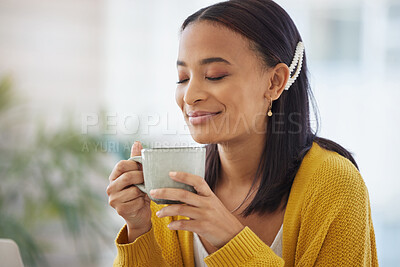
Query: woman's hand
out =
(208, 216)
(131, 204)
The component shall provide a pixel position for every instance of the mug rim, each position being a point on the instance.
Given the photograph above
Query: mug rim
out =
(173, 148)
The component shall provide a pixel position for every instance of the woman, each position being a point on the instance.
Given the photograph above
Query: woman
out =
(274, 193)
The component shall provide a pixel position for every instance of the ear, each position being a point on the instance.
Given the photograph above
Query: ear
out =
(278, 77)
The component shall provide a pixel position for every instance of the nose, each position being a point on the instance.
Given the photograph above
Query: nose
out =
(194, 93)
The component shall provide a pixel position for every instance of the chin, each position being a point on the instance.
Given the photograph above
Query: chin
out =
(205, 134)
(209, 138)
(204, 138)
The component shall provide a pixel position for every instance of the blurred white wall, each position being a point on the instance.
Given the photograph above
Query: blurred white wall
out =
(121, 55)
(54, 51)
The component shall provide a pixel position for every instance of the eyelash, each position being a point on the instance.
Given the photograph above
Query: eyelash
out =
(209, 78)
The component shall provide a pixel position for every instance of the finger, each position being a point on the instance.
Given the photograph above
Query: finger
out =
(179, 209)
(130, 208)
(128, 179)
(136, 149)
(125, 196)
(122, 167)
(187, 225)
(130, 194)
(127, 165)
(198, 182)
(178, 195)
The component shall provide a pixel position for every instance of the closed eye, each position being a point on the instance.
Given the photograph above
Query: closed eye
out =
(216, 78)
(182, 81)
(209, 78)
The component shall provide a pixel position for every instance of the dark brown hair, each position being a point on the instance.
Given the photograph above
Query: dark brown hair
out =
(273, 36)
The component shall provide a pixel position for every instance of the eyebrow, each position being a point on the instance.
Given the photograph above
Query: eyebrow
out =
(205, 61)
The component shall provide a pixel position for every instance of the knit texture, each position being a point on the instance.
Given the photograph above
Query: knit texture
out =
(327, 222)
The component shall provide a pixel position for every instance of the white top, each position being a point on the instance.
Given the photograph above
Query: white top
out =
(200, 252)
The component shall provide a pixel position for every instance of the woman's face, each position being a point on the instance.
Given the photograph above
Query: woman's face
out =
(222, 86)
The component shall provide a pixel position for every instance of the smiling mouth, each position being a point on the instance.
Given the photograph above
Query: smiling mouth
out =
(202, 118)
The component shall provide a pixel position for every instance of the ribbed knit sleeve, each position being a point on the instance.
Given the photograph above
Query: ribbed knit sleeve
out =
(158, 247)
(336, 226)
(144, 251)
(245, 249)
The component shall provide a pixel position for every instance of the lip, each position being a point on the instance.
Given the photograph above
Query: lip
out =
(199, 117)
(200, 113)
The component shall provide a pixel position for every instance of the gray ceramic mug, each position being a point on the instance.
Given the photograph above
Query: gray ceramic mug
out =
(158, 162)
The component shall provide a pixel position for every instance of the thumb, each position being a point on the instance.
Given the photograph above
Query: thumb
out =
(136, 149)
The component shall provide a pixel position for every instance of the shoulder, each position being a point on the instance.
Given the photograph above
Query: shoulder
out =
(327, 186)
(334, 177)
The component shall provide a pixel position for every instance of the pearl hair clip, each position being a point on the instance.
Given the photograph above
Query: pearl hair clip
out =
(297, 61)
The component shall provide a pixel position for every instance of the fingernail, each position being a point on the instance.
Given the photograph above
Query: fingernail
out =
(133, 148)
(136, 144)
(172, 173)
(153, 191)
(158, 213)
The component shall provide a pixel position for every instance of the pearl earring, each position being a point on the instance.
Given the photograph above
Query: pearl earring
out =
(270, 110)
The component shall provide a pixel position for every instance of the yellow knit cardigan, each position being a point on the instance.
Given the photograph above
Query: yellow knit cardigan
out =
(327, 222)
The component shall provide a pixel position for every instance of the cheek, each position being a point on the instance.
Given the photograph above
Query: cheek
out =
(240, 99)
(246, 104)
(179, 97)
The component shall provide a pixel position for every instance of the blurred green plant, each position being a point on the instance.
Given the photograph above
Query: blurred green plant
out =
(44, 179)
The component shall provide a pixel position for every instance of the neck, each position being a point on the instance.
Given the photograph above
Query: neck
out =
(239, 161)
